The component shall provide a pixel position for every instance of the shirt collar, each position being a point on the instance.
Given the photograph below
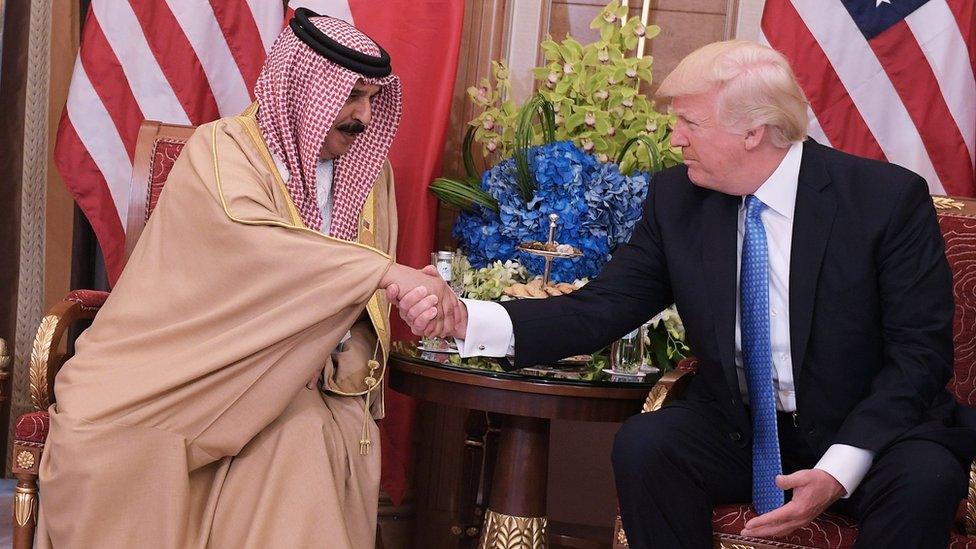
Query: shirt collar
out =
(778, 192)
(323, 171)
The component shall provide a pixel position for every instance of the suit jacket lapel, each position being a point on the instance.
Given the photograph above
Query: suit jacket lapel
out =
(812, 221)
(720, 225)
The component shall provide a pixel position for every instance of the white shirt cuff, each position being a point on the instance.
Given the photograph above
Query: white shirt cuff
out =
(847, 464)
(489, 331)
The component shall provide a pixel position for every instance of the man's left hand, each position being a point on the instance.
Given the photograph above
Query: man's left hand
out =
(813, 492)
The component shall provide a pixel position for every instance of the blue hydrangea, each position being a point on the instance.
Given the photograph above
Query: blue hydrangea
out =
(597, 206)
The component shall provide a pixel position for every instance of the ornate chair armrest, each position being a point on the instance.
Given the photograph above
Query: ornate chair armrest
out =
(77, 305)
(671, 385)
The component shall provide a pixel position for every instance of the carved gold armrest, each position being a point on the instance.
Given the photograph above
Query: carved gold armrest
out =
(78, 305)
(671, 385)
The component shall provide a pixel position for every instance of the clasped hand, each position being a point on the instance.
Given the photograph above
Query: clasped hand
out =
(425, 301)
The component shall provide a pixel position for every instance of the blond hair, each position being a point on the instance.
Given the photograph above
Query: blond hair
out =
(755, 87)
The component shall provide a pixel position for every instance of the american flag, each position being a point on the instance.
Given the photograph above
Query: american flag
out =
(887, 79)
(193, 61)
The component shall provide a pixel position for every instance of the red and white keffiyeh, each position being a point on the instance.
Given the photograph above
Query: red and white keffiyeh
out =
(299, 94)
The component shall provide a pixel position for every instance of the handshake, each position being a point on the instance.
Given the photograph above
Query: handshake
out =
(425, 301)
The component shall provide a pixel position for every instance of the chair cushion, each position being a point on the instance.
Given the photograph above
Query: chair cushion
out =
(164, 154)
(959, 232)
(829, 531)
(32, 428)
(88, 298)
(960, 541)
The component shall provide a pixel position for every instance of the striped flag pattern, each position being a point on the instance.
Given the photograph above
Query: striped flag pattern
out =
(177, 61)
(887, 79)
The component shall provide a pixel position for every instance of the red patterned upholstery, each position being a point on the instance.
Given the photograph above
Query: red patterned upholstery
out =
(32, 428)
(164, 153)
(829, 531)
(88, 298)
(959, 541)
(959, 231)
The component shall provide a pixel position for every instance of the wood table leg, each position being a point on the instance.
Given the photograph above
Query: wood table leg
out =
(517, 510)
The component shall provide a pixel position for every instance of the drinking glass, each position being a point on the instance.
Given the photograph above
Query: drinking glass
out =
(627, 353)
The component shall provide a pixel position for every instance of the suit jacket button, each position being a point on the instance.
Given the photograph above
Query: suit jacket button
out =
(736, 436)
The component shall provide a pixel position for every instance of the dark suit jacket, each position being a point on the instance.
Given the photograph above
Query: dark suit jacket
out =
(870, 300)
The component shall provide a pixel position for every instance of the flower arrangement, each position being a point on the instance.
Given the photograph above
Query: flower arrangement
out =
(560, 153)
(597, 207)
(594, 93)
(488, 282)
(666, 339)
(584, 147)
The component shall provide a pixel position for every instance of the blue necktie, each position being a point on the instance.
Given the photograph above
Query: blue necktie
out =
(757, 355)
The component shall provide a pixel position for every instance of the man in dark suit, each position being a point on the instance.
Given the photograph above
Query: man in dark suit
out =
(815, 292)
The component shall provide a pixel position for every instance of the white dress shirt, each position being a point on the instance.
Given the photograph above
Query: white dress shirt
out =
(323, 187)
(490, 331)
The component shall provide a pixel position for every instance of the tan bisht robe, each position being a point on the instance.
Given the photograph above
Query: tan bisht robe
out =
(184, 419)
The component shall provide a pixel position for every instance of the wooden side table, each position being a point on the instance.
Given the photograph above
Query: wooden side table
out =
(517, 507)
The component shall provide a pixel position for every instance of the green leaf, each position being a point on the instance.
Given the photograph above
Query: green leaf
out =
(573, 49)
(651, 148)
(590, 57)
(551, 50)
(462, 194)
(606, 32)
(564, 85)
(574, 121)
(466, 152)
(620, 74)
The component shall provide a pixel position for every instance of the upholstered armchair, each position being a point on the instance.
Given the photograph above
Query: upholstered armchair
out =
(157, 148)
(957, 218)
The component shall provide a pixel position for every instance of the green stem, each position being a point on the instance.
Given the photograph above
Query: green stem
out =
(524, 132)
(656, 164)
(466, 152)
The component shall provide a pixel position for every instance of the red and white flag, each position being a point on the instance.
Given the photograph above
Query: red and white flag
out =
(193, 61)
(182, 62)
(887, 79)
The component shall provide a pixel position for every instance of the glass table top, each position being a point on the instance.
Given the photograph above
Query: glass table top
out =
(589, 370)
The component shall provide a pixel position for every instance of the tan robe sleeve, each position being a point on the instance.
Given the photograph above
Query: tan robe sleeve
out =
(345, 370)
(224, 304)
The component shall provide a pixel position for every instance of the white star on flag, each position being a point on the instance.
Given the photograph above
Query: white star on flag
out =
(879, 2)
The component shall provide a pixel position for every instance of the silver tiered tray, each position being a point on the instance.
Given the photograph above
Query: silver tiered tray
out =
(549, 255)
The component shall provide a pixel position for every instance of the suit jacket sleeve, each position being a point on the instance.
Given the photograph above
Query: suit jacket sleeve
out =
(633, 287)
(915, 286)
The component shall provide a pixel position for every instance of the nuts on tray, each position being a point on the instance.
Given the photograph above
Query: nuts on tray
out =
(534, 289)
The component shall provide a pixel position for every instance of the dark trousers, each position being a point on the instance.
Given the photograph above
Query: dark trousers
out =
(673, 465)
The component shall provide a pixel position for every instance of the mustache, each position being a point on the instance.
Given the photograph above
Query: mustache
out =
(355, 127)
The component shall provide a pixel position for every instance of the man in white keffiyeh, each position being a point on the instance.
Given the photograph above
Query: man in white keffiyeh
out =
(185, 418)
